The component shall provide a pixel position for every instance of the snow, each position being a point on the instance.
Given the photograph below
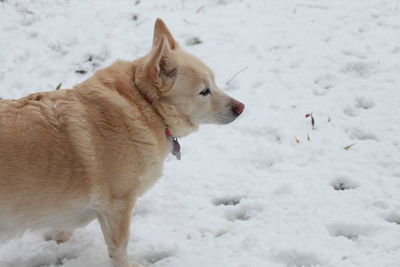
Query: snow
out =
(246, 194)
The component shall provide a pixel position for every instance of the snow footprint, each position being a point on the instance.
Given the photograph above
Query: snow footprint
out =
(360, 103)
(349, 231)
(326, 81)
(393, 218)
(354, 53)
(294, 258)
(227, 201)
(43, 260)
(156, 256)
(358, 68)
(235, 209)
(360, 134)
(343, 183)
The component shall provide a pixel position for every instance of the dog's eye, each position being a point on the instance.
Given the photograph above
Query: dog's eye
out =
(205, 92)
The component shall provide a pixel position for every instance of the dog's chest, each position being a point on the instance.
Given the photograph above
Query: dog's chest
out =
(151, 175)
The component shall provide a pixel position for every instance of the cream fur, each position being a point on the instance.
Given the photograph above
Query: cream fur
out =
(68, 157)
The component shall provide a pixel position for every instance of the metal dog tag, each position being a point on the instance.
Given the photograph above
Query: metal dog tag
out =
(176, 148)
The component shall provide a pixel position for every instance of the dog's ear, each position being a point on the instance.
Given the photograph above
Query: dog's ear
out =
(161, 64)
(160, 30)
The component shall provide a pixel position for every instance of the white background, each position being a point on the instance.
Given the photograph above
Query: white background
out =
(245, 194)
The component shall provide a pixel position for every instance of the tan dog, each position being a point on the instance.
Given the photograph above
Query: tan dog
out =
(68, 157)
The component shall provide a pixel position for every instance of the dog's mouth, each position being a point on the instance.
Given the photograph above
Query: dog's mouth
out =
(225, 119)
(235, 109)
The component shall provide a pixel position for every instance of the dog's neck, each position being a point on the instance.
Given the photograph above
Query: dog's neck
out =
(179, 124)
(175, 146)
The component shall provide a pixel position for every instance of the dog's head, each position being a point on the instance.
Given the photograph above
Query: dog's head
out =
(182, 87)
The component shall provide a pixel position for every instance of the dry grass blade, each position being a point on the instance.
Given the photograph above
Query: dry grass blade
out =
(312, 119)
(348, 146)
(188, 22)
(236, 74)
(199, 9)
(194, 41)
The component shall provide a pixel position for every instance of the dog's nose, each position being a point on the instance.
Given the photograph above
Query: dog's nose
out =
(238, 107)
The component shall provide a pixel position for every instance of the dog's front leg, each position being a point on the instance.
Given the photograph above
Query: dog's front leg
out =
(115, 219)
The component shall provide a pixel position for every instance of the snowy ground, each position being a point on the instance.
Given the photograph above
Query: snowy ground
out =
(257, 192)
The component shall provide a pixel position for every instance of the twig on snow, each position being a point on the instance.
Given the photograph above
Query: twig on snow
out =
(199, 9)
(312, 120)
(188, 22)
(236, 74)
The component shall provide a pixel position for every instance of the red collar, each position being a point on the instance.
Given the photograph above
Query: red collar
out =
(148, 99)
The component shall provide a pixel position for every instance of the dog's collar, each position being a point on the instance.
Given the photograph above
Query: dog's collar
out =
(175, 146)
